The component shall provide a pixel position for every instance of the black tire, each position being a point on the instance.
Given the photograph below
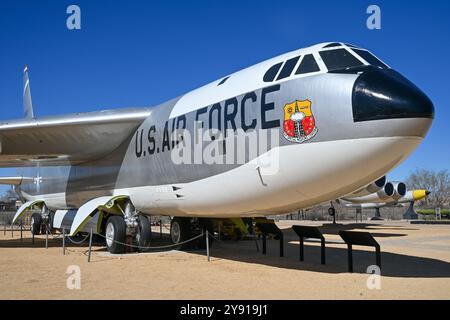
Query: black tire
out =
(51, 216)
(115, 232)
(180, 231)
(332, 211)
(36, 223)
(144, 235)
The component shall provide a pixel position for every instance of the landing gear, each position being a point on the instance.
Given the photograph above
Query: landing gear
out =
(46, 220)
(137, 226)
(36, 223)
(332, 213)
(143, 233)
(180, 231)
(132, 226)
(115, 234)
(131, 217)
(42, 222)
(183, 229)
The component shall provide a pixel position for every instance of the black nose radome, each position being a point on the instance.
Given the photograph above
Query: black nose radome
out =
(386, 94)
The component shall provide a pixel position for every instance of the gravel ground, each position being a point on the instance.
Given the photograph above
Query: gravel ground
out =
(415, 265)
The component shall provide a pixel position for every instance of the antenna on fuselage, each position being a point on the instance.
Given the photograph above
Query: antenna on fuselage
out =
(27, 103)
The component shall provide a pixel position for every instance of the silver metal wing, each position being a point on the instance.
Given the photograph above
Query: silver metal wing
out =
(72, 138)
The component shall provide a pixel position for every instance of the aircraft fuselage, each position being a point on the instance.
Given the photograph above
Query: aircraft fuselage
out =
(249, 147)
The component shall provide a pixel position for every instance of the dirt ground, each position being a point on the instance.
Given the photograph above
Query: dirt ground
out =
(415, 265)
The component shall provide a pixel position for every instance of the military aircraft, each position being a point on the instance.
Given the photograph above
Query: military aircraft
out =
(381, 194)
(305, 127)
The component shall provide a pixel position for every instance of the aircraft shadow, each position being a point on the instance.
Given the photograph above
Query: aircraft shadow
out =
(39, 242)
(55, 240)
(368, 227)
(392, 264)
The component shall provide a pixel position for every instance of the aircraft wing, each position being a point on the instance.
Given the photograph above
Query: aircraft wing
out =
(368, 205)
(66, 139)
(371, 188)
(16, 180)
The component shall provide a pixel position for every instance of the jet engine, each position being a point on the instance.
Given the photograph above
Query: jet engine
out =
(399, 190)
(377, 185)
(371, 188)
(390, 192)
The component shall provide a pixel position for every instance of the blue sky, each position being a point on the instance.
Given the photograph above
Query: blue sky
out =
(140, 53)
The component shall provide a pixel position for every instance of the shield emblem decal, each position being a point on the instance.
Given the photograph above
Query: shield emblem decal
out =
(299, 123)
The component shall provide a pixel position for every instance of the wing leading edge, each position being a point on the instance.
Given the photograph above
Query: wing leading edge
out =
(72, 138)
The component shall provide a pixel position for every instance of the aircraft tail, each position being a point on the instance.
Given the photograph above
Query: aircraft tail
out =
(27, 103)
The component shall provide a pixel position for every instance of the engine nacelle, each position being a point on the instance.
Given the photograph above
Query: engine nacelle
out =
(377, 185)
(384, 194)
(391, 192)
(399, 190)
(371, 188)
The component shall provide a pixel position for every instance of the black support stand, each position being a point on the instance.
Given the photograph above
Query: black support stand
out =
(310, 232)
(410, 214)
(352, 238)
(377, 215)
(350, 258)
(271, 228)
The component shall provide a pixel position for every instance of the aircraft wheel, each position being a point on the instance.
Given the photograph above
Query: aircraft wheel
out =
(115, 232)
(36, 221)
(49, 224)
(144, 233)
(332, 211)
(180, 231)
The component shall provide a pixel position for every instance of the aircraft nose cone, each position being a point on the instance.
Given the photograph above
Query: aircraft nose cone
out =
(385, 94)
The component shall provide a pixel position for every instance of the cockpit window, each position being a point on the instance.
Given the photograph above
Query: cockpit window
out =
(288, 68)
(223, 81)
(308, 65)
(351, 45)
(334, 44)
(270, 74)
(370, 58)
(339, 59)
